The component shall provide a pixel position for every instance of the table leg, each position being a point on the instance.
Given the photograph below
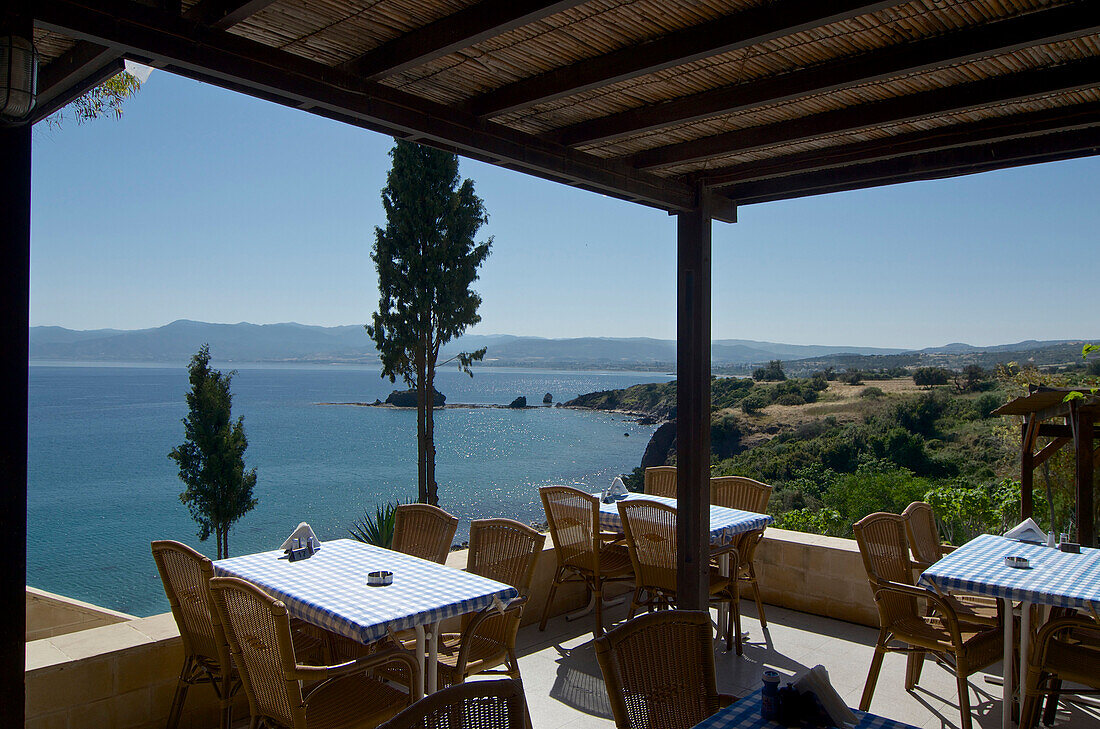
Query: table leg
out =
(724, 568)
(1025, 642)
(433, 657)
(420, 652)
(1006, 687)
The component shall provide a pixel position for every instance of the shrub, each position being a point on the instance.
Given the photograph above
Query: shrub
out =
(755, 401)
(772, 373)
(377, 529)
(930, 376)
(872, 393)
(819, 382)
(790, 398)
(986, 403)
(852, 376)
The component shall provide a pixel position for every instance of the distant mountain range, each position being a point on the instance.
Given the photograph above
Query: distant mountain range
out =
(291, 343)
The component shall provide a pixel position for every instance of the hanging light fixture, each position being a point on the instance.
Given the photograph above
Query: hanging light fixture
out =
(18, 77)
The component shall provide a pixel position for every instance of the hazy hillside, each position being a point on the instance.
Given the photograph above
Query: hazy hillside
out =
(290, 342)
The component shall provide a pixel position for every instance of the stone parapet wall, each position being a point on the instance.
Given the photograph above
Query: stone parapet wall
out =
(49, 615)
(815, 574)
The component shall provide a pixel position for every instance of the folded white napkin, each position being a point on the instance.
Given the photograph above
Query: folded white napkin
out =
(1027, 529)
(817, 681)
(303, 533)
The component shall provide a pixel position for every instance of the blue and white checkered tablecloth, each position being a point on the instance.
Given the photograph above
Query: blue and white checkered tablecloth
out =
(330, 588)
(745, 714)
(1053, 578)
(724, 523)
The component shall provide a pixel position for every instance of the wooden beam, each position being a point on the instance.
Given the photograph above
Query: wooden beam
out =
(223, 14)
(1055, 430)
(1083, 477)
(1027, 471)
(962, 97)
(732, 32)
(1005, 36)
(1031, 124)
(15, 247)
(186, 47)
(454, 32)
(924, 166)
(72, 74)
(693, 314)
(1047, 451)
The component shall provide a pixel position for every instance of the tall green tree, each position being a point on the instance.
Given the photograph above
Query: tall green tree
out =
(211, 458)
(427, 259)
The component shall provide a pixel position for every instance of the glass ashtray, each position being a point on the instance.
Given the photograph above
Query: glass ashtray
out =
(379, 579)
(1017, 562)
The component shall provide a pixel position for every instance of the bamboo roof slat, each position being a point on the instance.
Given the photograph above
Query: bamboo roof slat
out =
(615, 81)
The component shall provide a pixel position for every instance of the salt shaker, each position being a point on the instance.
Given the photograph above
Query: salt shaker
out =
(1050, 539)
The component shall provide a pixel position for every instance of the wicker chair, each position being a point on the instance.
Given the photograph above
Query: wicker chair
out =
(651, 540)
(574, 520)
(258, 629)
(661, 481)
(423, 531)
(185, 574)
(496, 704)
(885, 552)
(505, 551)
(924, 542)
(659, 671)
(1065, 649)
(746, 494)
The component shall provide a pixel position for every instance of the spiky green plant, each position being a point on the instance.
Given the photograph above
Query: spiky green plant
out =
(376, 529)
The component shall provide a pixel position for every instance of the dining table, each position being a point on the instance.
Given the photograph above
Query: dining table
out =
(1050, 578)
(725, 525)
(745, 714)
(330, 589)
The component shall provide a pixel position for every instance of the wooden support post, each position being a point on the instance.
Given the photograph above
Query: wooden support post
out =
(15, 247)
(1027, 474)
(693, 407)
(1083, 432)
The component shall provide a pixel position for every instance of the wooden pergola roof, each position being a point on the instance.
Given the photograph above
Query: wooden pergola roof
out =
(648, 100)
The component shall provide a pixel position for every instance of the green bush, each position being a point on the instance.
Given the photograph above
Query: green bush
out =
(816, 521)
(376, 529)
(872, 393)
(986, 403)
(772, 373)
(930, 376)
(790, 398)
(755, 401)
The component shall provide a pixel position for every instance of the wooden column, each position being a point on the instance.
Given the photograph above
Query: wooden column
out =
(1083, 432)
(693, 407)
(15, 242)
(1027, 474)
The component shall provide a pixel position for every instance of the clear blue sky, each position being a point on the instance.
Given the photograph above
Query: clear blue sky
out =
(206, 204)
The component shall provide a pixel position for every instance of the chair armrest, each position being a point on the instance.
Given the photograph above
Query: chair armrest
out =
(321, 673)
(935, 601)
(471, 629)
(917, 564)
(612, 537)
(948, 548)
(725, 700)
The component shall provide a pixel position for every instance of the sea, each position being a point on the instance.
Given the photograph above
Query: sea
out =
(101, 486)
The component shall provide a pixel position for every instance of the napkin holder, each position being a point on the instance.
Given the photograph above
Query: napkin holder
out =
(295, 554)
(1070, 547)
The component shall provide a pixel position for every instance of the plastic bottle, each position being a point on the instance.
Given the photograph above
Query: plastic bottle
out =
(769, 696)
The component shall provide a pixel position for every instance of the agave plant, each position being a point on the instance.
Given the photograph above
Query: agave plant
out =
(376, 529)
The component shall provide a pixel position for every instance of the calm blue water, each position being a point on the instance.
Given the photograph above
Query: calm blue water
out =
(101, 486)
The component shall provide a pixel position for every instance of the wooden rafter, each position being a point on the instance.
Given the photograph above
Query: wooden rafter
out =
(974, 95)
(1078, 116)
(452, 33)
(223, 14)
(924, 166)
(1046, 26)
(743, 29)
(1048, 450)
(79, 69)
(221, 58)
